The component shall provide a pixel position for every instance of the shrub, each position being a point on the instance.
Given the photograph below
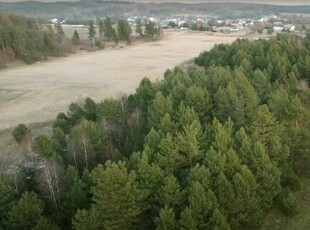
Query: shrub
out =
(19, 132)
(99, 44)
(289, 203)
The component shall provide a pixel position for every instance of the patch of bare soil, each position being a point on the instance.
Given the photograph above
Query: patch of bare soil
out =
(36, 93)
(303, 84)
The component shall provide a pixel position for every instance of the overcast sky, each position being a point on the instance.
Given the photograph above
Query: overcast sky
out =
(275, 2)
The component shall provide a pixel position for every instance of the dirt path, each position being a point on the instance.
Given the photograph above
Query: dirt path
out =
(36, 93)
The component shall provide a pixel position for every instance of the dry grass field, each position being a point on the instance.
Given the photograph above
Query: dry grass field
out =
(36, 93)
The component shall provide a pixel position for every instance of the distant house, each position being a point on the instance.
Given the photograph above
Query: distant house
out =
(278, 28)
(214, 29)
(54, 20)
(249, 23)
(290, 27)
(236, 26)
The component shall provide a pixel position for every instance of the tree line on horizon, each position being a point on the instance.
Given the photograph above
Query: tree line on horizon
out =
(201, 149)
(121, 30)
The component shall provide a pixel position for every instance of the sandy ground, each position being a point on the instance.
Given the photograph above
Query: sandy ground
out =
(36, 93)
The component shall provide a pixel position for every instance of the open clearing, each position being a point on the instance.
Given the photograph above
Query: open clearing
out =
(36, 93)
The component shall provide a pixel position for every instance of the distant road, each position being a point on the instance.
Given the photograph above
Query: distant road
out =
(36, 93)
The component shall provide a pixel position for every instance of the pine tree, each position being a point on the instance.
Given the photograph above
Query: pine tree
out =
(267, 176)
(45, 146)
(268, 131)
(187, 220)
(87, 220)
(75, 113)
(202, 203)
(90, 109)
(189, 142)
(152, 140)
(101, 28)
(92, 32)
(62, 122)
(45, 224)
(166, 219)
(187, 116)
(116, 196)
(225, 193)
(60, 139)
(167, 125)
(150, 29)
(124, 31)
(218, 221)
(261, 83)
(76, 38)
(160, 106)
(6, 197)
(169, 157)
(26, 213)
(76, 198)
(110, 31)
(201, 174)
(246, 211)
(139, 29)
(198, 99)
(170, 193)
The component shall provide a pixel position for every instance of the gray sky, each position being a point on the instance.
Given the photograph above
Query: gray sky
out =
(273, 2)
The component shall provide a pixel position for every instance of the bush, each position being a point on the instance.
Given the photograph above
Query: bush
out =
(270, 31)
(289, 203)
(19, 132)
(99, 44)
(290, 180)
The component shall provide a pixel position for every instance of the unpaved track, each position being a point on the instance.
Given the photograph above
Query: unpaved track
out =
(36, 93)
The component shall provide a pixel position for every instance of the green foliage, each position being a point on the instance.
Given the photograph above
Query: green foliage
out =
(116, 190)
(123, 30)
(99, 44)
(289, 203)
(28, 39)
(45, 224)
(19, 132)
(87, 145)
(110, 32)
(92, 32)
(151, 30)
(45, 146)
(86, 220)
(76, 38)
(62, 124)
(6, 197)
(75, 113)
(139, 29)
(218, 221)
(166, 219)
(90, 109)
(110, 111)
(212, 149)
(77, 196)
(101, 28)
(26, 213)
